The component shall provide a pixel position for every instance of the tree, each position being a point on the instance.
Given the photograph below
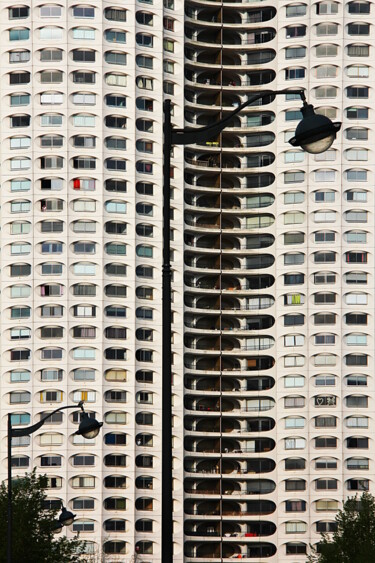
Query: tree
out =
(354, 539)
(34, 540)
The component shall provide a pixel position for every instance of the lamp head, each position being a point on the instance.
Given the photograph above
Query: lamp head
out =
(315, 133)
(66, 517)
(89, 427)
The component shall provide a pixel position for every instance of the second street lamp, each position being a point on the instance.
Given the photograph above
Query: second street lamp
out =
(88, 428)
(66, 517)
(314, 134)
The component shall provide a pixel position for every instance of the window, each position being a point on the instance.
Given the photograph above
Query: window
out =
(294, 218)
(295, 10)
(83, 33)
(115, 14)
(357, 113)
(326, 442)
(358, 92)
(327, 7)
(18, 12)
(145, 18)
(295, 548)
(114, 36)
(20, 355)
(358, 28)
(18, 270)
(357, 71)
(51, 33)
(51, 77)
(324, 29)
(295, 73)
(19, 77)
(19, 397)
(144, 40)
(325, 422)
(294, 238)
(326, 71)
(357, 401)
(83, 55)
(326, 50)
(115, 57)
(19, 56)
(20, 291)
(359, 7)
(295, 506)
(295, 52)
(20, 163)
(83, 12)
(295, 422)
(295, 31)
(324, 339)
(19, 100)
(83, 482)
(84, 77)
(84, 205)
(145, 83)
(20, 34)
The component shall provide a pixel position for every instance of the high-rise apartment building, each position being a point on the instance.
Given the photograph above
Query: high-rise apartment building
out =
(273, 287)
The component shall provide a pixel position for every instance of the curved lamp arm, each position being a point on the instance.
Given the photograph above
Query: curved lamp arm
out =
(18, 432)
(191, 136)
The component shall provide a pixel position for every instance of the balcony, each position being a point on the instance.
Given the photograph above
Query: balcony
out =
(229, 466)
(230, 508)
(230, 161)
(228, 426)
(226, 550)
(229, 446)
(226, 283)
(245, 529)
(229, 487)
(222, 323)
(229, 304)
(228, 405)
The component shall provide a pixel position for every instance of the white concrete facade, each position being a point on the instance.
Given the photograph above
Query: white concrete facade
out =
(273, 281)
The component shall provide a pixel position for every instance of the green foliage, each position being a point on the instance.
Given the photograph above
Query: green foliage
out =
(34, 540)
(354, 539)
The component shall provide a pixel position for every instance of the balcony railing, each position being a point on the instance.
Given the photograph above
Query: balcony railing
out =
(206, 408)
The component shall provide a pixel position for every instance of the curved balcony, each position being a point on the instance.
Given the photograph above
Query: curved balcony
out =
(224, 160)
(211, 529)
(228, 446)
(223, 183)
(228, 384)
(229, 426)
(228, 303)
(224, 466)
(224, 487)
(228, 405)
(228, 550)
(229, 284)
(215, 323)
(224, 15)
(235, 509)
(228, 202)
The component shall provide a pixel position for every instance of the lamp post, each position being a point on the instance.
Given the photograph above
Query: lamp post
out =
(89, 428)
(314, 134)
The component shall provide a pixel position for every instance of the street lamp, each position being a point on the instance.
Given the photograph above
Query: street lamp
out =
(88, 428)
(314, 134)
(66, 517)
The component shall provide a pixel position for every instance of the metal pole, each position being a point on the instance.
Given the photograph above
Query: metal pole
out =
(166, 466)
(9, 529)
